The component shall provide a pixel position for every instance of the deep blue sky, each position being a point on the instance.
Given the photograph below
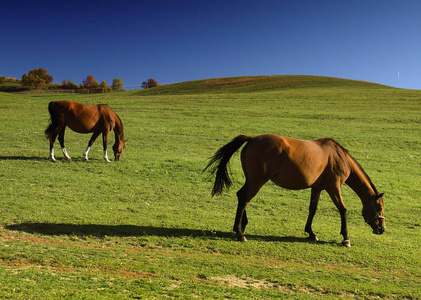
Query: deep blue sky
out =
(174, 41)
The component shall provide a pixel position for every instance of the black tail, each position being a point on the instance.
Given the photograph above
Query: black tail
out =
(218, 164)
(54, 118)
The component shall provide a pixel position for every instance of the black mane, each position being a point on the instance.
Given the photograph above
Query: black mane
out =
(335, 143)
(329, 140)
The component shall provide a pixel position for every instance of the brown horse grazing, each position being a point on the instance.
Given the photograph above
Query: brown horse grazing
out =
(297, 164)
(84, 118)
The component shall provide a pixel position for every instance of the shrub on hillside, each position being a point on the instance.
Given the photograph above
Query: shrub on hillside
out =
(150, 83)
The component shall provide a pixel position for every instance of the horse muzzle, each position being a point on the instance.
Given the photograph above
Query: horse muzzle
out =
(379, 230)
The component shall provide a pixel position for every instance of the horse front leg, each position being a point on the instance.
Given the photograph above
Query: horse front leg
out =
(314, 201)
(61, 140)
(336, 197)
(344, 228)
(104, 143)
(91, 142)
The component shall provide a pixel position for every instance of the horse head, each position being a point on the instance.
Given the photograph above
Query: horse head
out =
(374, 215)
(118, 148)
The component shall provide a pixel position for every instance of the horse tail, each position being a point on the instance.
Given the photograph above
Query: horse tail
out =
(55, 120)
(218, 164)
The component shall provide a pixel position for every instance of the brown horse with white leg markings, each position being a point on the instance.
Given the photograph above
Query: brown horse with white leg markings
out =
(84, 118)
(297, 164)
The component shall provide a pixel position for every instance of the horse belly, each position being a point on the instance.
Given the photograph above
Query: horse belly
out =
(81, 128)
(297, 176)
(81, 125)
(292, 180)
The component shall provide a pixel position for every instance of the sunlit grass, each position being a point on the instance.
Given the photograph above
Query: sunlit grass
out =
(147, 227)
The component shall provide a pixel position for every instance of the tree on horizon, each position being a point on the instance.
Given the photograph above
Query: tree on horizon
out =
(90, 82)
(117, 85)
(37, 78)
(150, 83)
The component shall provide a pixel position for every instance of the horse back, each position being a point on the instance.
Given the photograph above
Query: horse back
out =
(289, 163)
(84, 118)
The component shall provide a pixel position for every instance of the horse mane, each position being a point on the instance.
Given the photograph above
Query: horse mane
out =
(121, 123)
(346, 152)
(121, 126)
(335, 143)
(365, 174)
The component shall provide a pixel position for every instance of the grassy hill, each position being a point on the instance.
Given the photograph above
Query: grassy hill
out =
(11, 87)
(244, 84)
(255, 84)
(147, 228)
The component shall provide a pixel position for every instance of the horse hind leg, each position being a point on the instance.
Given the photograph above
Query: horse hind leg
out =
(61, 140)
(315, 195)
(52, 139)
(241, 216)
(245, 194)
(52, 136)
(51, 133)
(244, 221)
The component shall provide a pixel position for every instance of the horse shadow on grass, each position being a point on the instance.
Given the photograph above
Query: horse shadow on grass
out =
(45, 158)
(101, 231)
(25, 158)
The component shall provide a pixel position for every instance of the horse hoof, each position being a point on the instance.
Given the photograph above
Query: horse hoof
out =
(313, 238)
(346, 243)
(241, 238)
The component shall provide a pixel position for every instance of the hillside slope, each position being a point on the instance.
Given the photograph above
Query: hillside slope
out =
(253, 84)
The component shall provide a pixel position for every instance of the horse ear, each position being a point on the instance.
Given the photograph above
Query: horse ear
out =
(126, 140)
(380, 195)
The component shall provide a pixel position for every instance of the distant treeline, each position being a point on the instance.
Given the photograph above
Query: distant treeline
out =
(39, 79)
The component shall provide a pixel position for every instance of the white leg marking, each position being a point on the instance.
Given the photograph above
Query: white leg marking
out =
(346, 243)
(85, 154)
(65, 153)
(52, 155)
(106, 156)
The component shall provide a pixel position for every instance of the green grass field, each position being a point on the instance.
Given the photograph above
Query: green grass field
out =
(147, 228)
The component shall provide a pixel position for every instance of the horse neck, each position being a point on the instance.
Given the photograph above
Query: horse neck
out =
(118, 130)
(359, 182)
